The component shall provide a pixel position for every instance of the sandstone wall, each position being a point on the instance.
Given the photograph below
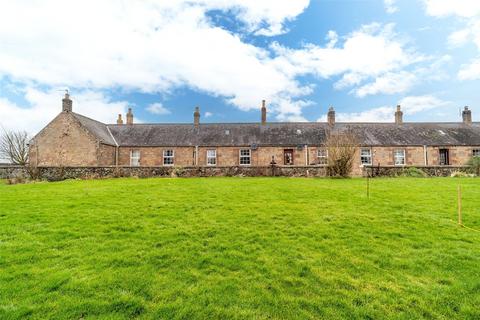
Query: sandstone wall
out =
(64, 143)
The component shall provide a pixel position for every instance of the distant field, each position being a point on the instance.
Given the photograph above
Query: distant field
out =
(239, 248)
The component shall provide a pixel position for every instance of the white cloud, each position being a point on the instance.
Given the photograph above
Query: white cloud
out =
(416, 104)
(151, 46)
(157, 108)
(208, 114)
(265, 17)
(390, 6)
(410, 105)
(469, 13)
(470, 71)
(462, 8)
(459, 37)
(388, 83)
(158, 46)
(373, 52)
(332, 38)
(381, 114)
(46, 105)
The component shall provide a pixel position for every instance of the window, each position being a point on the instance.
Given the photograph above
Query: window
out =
(476, 152)
(245, 157)
(211, 157)
(322, 155)
(366, 156)
(288, 157)
(444, 157)
(399, 157)
(168, 157)
(135, 158)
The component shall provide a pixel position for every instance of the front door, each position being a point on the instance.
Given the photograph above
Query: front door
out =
(444, 157)
(288, 157)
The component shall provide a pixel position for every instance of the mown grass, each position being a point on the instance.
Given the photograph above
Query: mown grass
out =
(239, 248)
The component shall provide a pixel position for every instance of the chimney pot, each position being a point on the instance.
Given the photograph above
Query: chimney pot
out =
(129, 116)
(196, 117)
(67, 103)
(467, 116)
(264, 113)
(398, 115)
(331, 116)
(119, 120)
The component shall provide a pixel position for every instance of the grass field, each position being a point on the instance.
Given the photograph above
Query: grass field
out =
(239, 248)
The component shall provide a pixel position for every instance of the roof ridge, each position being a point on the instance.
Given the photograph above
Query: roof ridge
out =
(81, 115)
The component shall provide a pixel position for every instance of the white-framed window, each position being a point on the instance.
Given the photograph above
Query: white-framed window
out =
(399, 157)
(476, 152)
(211, 157)
(168, 157)
(366, 156)
(134, 158)
(245, 157)
(322, 156)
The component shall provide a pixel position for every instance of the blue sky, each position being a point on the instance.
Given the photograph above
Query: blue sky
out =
(163, 58)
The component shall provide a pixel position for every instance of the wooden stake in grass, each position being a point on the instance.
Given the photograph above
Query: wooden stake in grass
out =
(368, 187)
(459, 206)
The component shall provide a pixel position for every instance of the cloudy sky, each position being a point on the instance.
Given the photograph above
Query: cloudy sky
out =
(163, 58)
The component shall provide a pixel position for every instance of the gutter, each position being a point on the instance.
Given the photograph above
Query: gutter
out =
(116, 146)
(306, 155)
(425, 155)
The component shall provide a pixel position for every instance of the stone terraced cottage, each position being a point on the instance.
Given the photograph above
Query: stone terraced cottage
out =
(73, 140)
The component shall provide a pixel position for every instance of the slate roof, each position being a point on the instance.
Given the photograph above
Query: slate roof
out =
(224, 134)
(97, 128)
(282, 134)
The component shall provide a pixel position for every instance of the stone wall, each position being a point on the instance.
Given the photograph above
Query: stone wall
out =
(59, 173)
(394, 171)
(64, 142)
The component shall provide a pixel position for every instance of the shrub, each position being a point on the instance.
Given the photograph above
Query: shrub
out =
(15, 180)
(341, 147)
(474, 165)
(458, 174)
(413, 172)
(461, 174)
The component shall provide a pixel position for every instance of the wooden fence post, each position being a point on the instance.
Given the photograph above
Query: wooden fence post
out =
(368, 187)
(459, 205)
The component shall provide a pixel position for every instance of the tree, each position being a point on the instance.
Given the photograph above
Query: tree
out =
(341, 148)
(14, 146)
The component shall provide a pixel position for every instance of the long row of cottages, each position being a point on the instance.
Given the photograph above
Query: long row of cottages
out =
(71, 139)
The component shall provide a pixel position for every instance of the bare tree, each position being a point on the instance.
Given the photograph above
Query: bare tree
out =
(341, 147)
(14, 146)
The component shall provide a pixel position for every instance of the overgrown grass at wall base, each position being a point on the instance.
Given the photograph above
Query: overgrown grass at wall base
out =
(239, 248)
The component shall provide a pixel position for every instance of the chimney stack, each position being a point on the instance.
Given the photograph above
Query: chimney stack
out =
(331, 116)
(398, 116)
(467, 116)
(67, 103)
(196, 117)
(119, 120)
(129, 116)
(264, 113)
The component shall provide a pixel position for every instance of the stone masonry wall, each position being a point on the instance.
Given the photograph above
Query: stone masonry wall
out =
(431, 171)
(59, 173)
(64, 143)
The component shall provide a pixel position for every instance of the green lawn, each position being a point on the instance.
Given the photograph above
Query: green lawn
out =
(239, 248)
